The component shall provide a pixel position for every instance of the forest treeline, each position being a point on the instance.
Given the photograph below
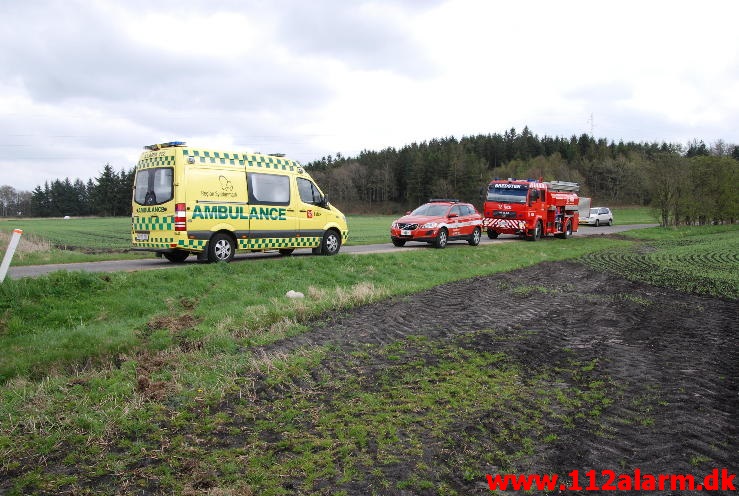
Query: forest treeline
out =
(685, 184)
(108, 195)
(692, 183)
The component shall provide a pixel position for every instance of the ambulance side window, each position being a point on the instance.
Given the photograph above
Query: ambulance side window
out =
(269, 189)
(308, 192)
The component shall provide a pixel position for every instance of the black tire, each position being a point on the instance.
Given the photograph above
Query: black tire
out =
(567, 232)
(492, 234)
(398, 242)
(536, 235)
(441, 239)
(221, 248)
(610, 223)
(475, 238)
(331, 242)
(286, 251)
(597, 222)
(178, 256)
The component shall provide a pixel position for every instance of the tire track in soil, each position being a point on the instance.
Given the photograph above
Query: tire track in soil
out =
(671, 356)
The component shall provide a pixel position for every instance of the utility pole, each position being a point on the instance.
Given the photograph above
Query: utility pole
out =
(592, 126)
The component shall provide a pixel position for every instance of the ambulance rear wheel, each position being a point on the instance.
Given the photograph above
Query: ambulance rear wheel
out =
(221, 248)
(492, 234)
(176, 256)
(331, 243)
(286, 251)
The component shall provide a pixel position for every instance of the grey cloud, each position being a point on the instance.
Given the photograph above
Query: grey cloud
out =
(86, 56)
(341, 30)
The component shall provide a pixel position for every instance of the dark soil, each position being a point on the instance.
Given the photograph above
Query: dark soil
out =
(668, 360)
(671, 360)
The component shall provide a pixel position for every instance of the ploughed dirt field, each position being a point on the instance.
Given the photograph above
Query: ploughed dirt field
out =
(654, 374)
(549, 369)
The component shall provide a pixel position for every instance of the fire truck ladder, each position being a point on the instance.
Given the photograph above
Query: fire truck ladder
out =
(563, 186)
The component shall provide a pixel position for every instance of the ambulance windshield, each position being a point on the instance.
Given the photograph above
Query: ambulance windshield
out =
(507, 193)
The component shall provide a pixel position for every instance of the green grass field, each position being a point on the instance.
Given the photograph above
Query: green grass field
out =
(634, 215)
(77, 348)
(56, 240)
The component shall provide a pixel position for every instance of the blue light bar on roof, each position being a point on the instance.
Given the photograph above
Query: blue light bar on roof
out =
(165, 145)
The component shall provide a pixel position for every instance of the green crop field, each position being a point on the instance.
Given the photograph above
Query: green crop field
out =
(634, 215)
(702, 259)
(80, 234)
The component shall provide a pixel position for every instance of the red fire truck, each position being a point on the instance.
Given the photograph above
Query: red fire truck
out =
(530, 209)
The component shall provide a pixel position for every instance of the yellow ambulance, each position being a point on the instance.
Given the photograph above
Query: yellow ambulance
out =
(213, 203)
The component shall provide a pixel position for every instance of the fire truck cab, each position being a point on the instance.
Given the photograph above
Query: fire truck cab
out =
(530, 209)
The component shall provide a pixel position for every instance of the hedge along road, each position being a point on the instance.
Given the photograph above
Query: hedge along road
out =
(161, 263)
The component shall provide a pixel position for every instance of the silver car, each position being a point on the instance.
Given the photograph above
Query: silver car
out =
(598, 216)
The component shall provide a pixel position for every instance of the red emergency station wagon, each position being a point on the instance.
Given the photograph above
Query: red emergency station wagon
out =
(438, 222)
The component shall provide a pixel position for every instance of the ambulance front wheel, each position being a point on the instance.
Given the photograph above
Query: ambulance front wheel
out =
(221, 248)
(331, 243)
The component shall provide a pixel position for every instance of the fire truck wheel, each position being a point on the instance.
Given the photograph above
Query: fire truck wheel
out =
(567, 232)
(441, 239)
(475, 238)
(221, 248)
(286, 251)
(398, 242)
(536, 235)
(331, 243)
(492, 234)
(178, 256)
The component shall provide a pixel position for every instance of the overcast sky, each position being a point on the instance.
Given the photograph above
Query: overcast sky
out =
(84, 83)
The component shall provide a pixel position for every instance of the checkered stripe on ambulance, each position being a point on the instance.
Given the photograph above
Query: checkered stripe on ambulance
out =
(213, 203)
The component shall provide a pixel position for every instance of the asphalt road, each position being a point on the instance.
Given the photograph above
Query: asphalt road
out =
(161, 263)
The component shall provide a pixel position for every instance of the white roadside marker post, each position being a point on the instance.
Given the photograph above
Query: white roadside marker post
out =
(9, 253)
